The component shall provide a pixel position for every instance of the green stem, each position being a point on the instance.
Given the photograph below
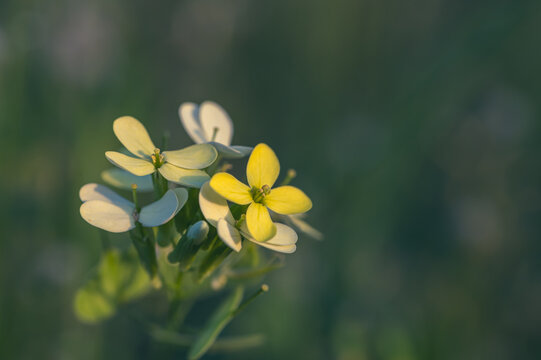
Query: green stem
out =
(160, 184)
(264, 288)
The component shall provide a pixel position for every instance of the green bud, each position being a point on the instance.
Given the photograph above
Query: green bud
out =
(198, 232)
(187, 247)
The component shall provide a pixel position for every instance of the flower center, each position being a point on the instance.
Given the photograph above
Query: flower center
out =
(258, 195)
(157, 158)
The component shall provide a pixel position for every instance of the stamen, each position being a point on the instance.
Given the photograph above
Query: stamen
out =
(258, 195)
(157, 158)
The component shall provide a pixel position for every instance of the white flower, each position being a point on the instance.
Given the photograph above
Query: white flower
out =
(215, 209)
(210, 123)
(105, 209)
(180, 166)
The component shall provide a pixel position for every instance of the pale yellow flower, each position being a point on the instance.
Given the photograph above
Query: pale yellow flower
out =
(262, 171)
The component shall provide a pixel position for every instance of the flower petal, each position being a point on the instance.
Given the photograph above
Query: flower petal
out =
(212, 116)
(123, 180)
(213, 206)
(284, 236)
(229, 235)
(134, 136)
(232, 152)
(189, 117)
(259, 222)
(107, 216)
(161, 211)
(182, 197)
(136, 166)
(230, 188)
(99, 192)
(263, 167)
(288, 200)
(197, 156)
(286, 249)
(191, 178)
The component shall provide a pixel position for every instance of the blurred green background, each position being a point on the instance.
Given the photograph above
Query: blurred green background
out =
(414, 126)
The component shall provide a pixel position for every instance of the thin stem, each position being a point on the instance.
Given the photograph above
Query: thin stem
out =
(291, 174)
(134, 196)
(264, 288)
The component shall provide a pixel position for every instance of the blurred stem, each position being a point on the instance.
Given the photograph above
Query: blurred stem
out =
(264, 288)
(178, 311)
(145, 249)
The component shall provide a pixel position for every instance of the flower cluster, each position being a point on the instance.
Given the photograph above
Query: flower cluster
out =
(171, 235)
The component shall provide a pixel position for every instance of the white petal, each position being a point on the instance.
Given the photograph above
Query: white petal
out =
(99, 192)
(212, 116)
(191, 178)
(161, 211)
(107, 216)
(189, 117)
(232, 152)
(182, 197)
(285, 236)
(133, 135)
(286, 249)
(213, 206)
(123, 180)
(197, 156)
(229, 235)
(136, 166)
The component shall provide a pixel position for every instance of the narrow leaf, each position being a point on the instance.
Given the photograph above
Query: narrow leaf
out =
(219, 320)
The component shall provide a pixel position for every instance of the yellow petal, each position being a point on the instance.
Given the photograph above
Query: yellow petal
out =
(259, 222)
(263, 167)
(288, 200)
(230, 188)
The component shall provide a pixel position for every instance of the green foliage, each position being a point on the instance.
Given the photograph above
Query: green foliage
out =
(219, 320)
(118, 279)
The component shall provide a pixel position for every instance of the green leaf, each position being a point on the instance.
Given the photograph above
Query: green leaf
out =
(225, 344)
(92, 306)
(219, 320)
(117, 279)
(213, 259)
(147, 252)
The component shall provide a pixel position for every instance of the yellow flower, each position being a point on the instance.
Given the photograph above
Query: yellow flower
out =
(262, 171)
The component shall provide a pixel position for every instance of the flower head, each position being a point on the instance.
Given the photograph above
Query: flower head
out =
(210, 123)
(262, 171)
(109, 211)
(180, 166)
(215, 209)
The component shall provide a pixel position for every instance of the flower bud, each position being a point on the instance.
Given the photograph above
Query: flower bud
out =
(198, 232)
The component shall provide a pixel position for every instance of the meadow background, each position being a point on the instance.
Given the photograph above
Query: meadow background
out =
(414, 126)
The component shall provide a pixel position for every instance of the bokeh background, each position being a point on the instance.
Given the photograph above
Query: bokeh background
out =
(413, 125)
